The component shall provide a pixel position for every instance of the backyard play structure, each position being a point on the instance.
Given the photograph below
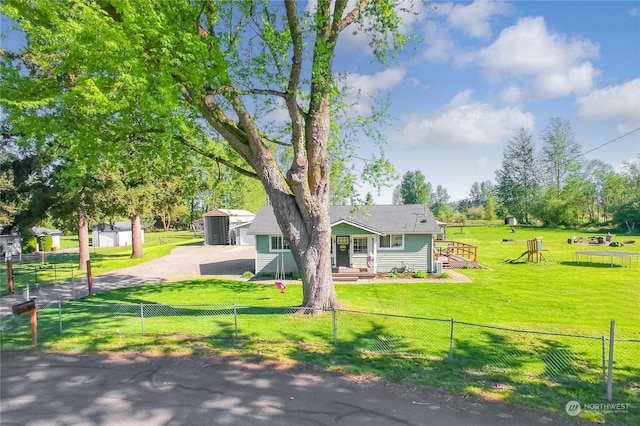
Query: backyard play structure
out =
(534, 253)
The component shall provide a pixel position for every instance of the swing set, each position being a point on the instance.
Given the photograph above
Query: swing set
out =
(535, 249)
(279, 278)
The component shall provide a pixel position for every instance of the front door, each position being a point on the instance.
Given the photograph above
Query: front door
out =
(342, 251)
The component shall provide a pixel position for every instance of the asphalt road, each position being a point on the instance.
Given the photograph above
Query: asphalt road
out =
(133, 389)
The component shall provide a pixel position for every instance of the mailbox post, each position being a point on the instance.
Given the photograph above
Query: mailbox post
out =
(29, 307)
(9, 273)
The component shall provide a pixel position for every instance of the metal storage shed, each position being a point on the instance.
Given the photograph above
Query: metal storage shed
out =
(221, 226)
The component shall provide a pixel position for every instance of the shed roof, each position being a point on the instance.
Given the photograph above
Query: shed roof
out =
(381, 219)
(115, 226)
(39, 231)
(229, 212)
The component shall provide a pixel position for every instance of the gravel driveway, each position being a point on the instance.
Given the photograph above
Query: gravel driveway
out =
(184, 262)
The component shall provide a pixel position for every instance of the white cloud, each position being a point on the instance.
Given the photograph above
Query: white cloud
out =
(553, 84)
(619, 103)
(439, 45)
(528, 48)
(382, 81)
(361, 89)
(463, 123)
(544, 64)
(473, 19)
(512, 95)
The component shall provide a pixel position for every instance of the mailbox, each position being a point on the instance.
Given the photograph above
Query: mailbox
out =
(24, 307)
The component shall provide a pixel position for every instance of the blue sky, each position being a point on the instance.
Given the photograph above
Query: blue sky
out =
(486, 69)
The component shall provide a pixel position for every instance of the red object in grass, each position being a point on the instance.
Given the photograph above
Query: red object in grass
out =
(281, 286)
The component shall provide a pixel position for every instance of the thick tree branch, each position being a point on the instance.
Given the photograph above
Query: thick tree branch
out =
(340, 24)
(185, 142)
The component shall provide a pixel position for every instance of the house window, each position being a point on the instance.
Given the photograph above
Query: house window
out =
(360, 245)
(278, 243)
(392, 241)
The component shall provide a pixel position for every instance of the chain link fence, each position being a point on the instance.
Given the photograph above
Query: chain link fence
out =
(495, 358)
(30, 278)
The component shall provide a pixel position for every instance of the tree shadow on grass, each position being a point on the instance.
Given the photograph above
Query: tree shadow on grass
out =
(543, 374)
(596, 265)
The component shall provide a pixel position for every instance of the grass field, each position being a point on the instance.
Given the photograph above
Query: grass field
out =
(559, 296)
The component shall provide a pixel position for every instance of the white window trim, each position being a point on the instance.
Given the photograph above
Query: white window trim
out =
(272, 250)
(369, 244)
(380, 248)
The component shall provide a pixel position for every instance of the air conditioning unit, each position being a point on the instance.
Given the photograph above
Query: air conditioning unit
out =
(437, 266)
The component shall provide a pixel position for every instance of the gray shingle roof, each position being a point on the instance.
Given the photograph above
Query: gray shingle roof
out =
(384, 219)
(116, 226)
(39, 231)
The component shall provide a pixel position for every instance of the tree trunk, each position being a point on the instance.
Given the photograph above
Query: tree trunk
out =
(313, 257)
(83, 240)
(136, 238)
(166, 221)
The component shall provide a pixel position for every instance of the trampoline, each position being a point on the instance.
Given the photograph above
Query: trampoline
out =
(623, 255)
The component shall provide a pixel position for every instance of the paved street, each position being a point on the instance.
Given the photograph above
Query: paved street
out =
(133, 389)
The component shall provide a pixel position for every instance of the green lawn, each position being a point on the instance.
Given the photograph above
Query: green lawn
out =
(542, 371)
(557, 296)
(49, 267)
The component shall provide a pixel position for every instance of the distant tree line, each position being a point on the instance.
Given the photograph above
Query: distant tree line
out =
(552, 185)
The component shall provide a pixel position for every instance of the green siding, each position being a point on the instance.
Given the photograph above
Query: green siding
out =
(346, 229)
(267, 262)
(416, 254)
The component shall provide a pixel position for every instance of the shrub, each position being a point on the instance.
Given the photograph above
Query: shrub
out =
(295, 275)
(46, 243)
(29, 244)
(444, 275)
(247, 274)
(421, 274)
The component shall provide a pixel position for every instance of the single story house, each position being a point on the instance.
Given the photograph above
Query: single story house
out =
(378, 238)
(116, 234)
(228, 226)
(40, 232)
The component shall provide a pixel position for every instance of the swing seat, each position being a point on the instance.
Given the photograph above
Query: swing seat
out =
(280, 285)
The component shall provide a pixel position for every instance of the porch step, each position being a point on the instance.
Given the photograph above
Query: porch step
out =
(342, 279)
(363, 275)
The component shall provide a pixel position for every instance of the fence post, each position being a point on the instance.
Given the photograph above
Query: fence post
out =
(612, 329)
(451, 340)
(235, 319)
(10, 275)
(89, 277)
(335, 326)
(604, 363)
(28, 291)
(60, 315)
(142, 318)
